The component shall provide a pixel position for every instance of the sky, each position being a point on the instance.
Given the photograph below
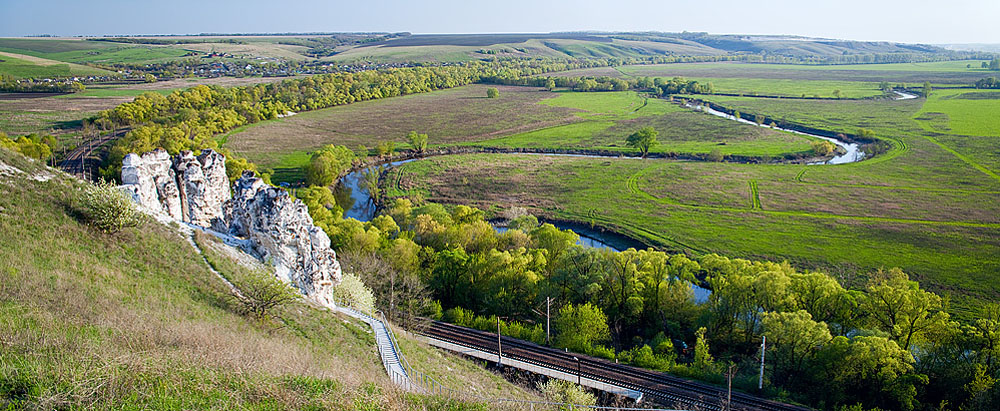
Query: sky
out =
(908, 21)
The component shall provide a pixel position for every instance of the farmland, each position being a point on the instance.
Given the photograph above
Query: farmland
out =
(21, 66)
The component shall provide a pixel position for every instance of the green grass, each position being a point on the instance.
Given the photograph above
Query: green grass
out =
(609, 117)
(19, 68)
(793, 88)
(136, 320)
(970, 113)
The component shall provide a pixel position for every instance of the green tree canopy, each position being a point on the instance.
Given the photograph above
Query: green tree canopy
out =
(642, 140)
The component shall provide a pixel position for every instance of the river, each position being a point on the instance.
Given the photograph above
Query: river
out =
(852, 151)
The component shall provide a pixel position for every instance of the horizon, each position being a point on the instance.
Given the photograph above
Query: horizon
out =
(852, 20)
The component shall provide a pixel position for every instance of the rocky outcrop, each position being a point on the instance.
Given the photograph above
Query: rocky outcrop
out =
(151, 180)
(185, 187)
(282, 232)
(278, 229)
(204, 186)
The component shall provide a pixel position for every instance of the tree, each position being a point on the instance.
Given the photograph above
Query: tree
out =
(703, 360)
(492, 92)
(580, 327)
(327, 163)
(417, 141)
(870, 369)
(837, 93)
(898, 306)
(995, 64)
(353, 293)
(642, 140)
(793, 337)
(260, 293)
(550, 85)
(927, 89)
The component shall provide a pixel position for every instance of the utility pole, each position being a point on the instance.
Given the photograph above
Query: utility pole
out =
(499, 346)
(763, 349)
(578, 378)
(729, 396)
(548, 316)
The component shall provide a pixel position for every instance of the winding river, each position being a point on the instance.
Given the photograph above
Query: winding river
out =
(358, 204)
(852, 151)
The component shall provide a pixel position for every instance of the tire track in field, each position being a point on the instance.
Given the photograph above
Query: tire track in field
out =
(754, 196)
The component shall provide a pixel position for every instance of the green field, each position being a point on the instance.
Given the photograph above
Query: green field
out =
(968, 112)
(607, 118)
(21, 68)
(522, 117)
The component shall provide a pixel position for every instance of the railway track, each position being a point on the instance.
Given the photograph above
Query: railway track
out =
(75, 162)
(660, 387)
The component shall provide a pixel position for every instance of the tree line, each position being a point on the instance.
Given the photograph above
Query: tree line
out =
(188, 119)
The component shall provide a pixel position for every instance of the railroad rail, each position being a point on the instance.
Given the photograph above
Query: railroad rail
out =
(659, 387)
(75, 162)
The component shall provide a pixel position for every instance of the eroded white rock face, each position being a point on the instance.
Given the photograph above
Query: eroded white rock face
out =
(277, 228)
(185, 188)
(282, 232)
(151, 180)
(204, 187)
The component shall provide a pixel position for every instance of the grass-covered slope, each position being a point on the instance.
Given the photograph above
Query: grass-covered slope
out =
(136, 320)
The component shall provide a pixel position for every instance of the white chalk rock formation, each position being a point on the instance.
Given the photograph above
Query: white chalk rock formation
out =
(204, 186)
(279, 229)
(151, 180)
(185, 188)
(283, 233)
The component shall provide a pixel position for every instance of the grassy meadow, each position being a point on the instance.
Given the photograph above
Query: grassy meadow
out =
(607, 118)
(522, 117)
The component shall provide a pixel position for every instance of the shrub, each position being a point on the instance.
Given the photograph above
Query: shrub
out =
(492, 92)
(566, 392)
(385, 148)
(261, 293)
(822, 148)
(354, 293)
(715, 156)
(109, 208)
(417, 141)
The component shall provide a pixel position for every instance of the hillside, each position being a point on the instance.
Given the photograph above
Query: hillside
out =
(136, 320)
(453, 47)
